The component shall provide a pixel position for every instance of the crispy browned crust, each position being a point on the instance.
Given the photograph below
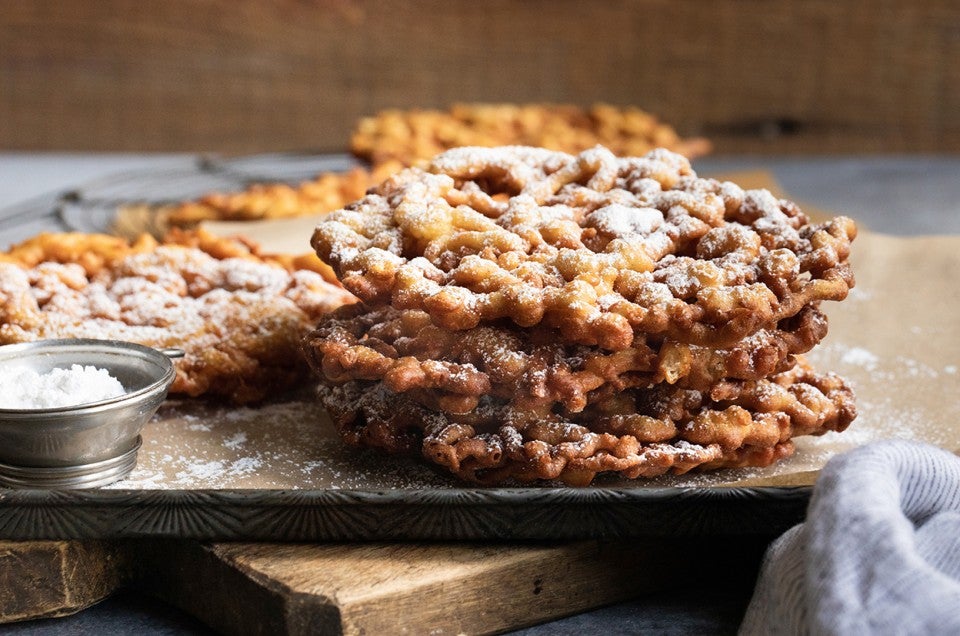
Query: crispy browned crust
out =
(409, 354)
(641, 432)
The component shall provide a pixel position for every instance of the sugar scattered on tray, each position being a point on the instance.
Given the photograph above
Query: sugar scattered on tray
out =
(235, 441)
(24, 388)
(860, 357)
(200, 470)
(860, 295)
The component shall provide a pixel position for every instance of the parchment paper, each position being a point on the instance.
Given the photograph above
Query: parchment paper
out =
(896, 339)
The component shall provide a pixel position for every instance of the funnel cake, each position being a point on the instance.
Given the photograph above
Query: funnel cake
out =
(533, 315)
(636, 433)
(598, 247)
(326, 192)
(409, 136)
(238, 317)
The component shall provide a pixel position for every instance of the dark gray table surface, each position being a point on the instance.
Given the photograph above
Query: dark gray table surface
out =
(905, 195)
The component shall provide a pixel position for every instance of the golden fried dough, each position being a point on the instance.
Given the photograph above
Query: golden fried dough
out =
(599, 247)
(636, 433)
(327, 191)
(239, 318)
(528, 314)
(456, 369)
(409, 136)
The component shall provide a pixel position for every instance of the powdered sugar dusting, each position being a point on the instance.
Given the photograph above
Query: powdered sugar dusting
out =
(235, 442)
(860, 356)
(898, 397)
(621, 220)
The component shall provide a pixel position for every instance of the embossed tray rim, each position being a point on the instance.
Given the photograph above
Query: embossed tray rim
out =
(432, 514)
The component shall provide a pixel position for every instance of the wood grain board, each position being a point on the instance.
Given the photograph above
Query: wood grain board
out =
(452, 588)
(44, 579)
(253, 75)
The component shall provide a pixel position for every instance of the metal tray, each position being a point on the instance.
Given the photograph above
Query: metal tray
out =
(362, 496)
(280, 472)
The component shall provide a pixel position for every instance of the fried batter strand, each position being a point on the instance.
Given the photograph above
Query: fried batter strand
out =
(598, 247)
(240, 319)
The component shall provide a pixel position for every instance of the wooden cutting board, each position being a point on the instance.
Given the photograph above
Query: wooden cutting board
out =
(243, 588)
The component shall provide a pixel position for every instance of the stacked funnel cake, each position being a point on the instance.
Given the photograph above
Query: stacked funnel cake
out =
(529, 314)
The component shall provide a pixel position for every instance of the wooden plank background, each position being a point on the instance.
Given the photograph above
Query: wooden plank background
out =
(259, 75)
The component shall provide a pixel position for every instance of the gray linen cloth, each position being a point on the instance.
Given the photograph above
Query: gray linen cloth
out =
(879, 552)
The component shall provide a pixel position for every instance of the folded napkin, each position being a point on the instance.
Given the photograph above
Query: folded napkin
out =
(879, 552)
